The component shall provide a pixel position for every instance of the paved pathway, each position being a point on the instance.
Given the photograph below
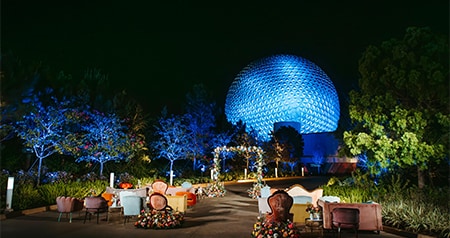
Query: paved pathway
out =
(229, 216)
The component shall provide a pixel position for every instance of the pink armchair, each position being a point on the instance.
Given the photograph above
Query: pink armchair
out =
(68, 205)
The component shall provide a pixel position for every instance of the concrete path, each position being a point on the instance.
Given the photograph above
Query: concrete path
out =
(223, 217)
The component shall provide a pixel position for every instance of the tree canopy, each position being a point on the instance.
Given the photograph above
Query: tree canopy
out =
(401, 112)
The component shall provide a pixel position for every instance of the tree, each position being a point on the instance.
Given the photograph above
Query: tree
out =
(278, 151)
(401, 112)
(136, 121)
(101, 138)
(245, 139)
(292, 144)
(200, 121)
(220, 140)
(42, 130)
(172, 141)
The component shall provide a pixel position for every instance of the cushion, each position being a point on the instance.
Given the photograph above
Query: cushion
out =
(265, 192)
(302, 199)
(108, 197)
(330, 199)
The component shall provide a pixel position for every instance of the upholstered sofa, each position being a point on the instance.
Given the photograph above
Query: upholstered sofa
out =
(141, 192)
(302, 198)
(369, 214)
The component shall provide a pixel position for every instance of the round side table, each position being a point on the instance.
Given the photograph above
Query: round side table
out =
(314, 225)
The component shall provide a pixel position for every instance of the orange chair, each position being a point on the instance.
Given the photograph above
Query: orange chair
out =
(191, 198)
(108, 197)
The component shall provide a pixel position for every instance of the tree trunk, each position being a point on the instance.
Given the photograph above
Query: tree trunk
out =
(420, 178)
(39, 172)
(171, 173)
(194, 166)
(223, 165)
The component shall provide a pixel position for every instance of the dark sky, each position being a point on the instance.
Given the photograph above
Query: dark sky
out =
(159, 51)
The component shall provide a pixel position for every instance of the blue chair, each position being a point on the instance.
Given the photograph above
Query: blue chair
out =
(132, 206)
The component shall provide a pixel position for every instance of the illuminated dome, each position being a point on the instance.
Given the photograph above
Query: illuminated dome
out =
(283, 88)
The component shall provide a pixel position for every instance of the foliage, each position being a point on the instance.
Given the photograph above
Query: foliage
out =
(292, 142)
(27, 196)
(220, 140)
(200, 121)
(76, 189)
(402, 109)
(244, 137)
(173, 139)
(255, 191)
(101, 138)
(42, 130)
(136, 121)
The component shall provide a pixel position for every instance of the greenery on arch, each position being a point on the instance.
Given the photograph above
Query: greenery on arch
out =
(254, 192)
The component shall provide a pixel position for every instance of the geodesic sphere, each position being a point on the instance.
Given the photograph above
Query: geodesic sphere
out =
(283, 88)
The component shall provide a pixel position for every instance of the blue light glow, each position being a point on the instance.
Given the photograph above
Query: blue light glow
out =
(283, 88)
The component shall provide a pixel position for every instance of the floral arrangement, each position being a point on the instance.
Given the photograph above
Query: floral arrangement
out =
(261, 229)
(255, 191)
(216, 189)
(154, 219)
(314, 212)
(125, 185)
(312, 209)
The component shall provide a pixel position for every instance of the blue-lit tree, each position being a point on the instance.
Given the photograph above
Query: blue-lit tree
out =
(101, 138)
(200, 121)
(219, 140)
(42, 130)
(172, 139)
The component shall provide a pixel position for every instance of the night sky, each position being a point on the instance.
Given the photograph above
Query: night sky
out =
(159, 51)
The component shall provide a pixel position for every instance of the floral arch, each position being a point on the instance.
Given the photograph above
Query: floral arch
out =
(215, 171)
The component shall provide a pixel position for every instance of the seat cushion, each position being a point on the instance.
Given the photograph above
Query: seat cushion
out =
(302, 199)
(96, 204)
(132, 205)
(108, 197)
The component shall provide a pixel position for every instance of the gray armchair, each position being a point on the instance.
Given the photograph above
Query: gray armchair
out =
(132, 206)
